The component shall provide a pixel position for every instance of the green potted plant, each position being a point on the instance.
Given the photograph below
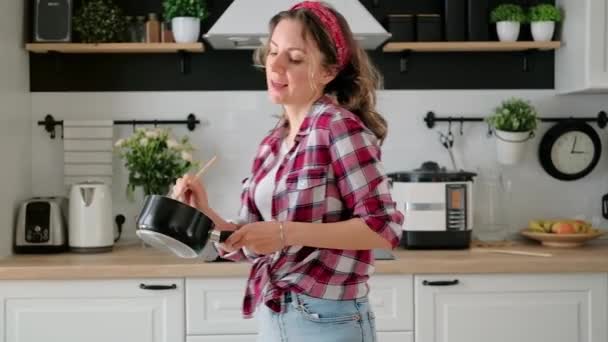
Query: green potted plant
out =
(508, 19)
(185, 17)
(100, 21)
(542, 19)
(513, 122)
(154, 160)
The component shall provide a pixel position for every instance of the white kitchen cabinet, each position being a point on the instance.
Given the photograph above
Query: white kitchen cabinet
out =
(213, 307)
(511, 307)
(392, 299)
(224, 338)
(581, 64)
(395, 336)
(92, 311)
(384, 336)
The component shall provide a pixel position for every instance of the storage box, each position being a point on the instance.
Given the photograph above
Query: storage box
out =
(401, 26)
(428, 27)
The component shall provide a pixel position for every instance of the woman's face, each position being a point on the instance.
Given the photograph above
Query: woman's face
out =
(294, 75)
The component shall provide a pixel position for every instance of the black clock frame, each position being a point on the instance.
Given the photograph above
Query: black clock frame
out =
(551, 136)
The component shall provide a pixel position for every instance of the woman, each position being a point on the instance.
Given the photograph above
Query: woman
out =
(317, 200)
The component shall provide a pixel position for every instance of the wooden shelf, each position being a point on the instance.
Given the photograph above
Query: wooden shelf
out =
(469, 46)
(115, 47)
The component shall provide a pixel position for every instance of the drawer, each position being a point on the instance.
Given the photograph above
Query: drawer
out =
(392, 299)
(213, 307)
(223, 338)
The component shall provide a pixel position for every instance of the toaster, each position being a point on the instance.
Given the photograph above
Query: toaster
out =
(41, 226)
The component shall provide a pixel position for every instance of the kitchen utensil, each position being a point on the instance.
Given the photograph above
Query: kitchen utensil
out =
(605, 206)
(90, 224)
(169, 224)
(41, 226)
(438, 205)
(513, 252)
(562, 240)
(447, 140)
(197, 175)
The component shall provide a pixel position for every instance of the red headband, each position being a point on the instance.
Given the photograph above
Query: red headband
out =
(330, 22)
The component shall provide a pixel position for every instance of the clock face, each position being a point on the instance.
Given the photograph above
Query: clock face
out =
(572, 152)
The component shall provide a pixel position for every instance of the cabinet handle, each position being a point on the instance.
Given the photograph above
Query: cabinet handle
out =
(440, 282)
(157, 287)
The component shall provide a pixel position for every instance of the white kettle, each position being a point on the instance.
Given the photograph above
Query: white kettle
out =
(90, 223)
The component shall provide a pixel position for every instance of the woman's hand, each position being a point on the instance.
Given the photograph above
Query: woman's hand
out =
(190, 190)
(258, 237)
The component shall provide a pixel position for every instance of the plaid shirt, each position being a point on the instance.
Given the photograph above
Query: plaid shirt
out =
(333, 173)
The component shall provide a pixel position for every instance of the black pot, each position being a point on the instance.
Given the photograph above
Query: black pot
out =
(169, 224)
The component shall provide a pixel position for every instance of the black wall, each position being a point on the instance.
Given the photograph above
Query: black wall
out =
(233, 70)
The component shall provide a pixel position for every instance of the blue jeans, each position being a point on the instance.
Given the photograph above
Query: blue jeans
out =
(320, 320)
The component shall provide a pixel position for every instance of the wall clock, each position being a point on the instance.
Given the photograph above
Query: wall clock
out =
(570, 150)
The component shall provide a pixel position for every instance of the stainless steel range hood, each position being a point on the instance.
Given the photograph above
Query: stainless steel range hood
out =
(244, 25)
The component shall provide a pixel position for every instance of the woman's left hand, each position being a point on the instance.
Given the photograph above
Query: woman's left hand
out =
(258, 237)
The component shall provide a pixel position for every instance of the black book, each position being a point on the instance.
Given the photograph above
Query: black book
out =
(477, 20)
(455, 18)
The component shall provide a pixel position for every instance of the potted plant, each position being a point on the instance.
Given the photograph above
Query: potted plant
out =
(185, 17)
(514, 122)
(508, 19)
(100, 21)
(154, 160)
(542, 21)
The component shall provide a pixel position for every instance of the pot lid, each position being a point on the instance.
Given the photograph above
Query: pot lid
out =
(430, 171)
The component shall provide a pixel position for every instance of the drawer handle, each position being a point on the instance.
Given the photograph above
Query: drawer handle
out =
(440, 282)
(157, 287)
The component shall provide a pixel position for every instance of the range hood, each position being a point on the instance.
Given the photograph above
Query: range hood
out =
(244, 25)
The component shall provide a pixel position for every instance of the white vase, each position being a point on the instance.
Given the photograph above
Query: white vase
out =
(542, 31)
(508, 31)
(510, 146)
(185, 29)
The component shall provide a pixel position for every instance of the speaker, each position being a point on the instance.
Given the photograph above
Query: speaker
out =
(53, 21)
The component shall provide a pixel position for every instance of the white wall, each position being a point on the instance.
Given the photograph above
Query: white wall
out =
(15, 118)
(234, 122)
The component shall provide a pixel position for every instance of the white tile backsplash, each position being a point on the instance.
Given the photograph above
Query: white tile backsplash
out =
(232, 124)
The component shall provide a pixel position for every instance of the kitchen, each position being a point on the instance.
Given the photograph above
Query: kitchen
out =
(34, 167)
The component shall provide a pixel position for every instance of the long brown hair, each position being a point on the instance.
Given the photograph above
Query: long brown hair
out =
(355, 85)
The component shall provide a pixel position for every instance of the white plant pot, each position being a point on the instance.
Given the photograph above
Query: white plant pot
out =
(542, 31)
(508, 31)
(185, 29)
(510, 146)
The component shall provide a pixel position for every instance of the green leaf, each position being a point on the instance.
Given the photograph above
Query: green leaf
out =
(508, 12)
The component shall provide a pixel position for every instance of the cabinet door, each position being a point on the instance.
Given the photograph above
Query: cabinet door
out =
(581, 63)
(213, 307)
(392, 300)
(598, 44)
(222, 338)
(506, 308)
(392, 336)
(92, 311)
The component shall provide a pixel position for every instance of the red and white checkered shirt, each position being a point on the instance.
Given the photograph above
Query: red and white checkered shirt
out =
(333, 173)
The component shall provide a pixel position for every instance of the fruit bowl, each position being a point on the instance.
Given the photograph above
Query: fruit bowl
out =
(562, 240)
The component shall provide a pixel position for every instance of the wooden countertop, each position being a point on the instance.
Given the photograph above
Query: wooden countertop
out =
(135, 261)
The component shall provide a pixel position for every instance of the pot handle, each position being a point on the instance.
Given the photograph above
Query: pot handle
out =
(605, 206)
(219, 235)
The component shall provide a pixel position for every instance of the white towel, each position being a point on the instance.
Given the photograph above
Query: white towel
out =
(87, 151)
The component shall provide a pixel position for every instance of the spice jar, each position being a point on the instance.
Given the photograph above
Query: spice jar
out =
(152, 29)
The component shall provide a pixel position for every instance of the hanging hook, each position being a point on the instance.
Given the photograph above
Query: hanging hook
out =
(133, 123)
(489, 134)
(461, 124)
(450, 127)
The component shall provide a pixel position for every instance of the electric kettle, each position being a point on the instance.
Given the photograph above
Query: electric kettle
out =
(90, 228)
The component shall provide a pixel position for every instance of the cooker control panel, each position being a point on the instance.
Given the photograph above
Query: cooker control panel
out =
(456, 206)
